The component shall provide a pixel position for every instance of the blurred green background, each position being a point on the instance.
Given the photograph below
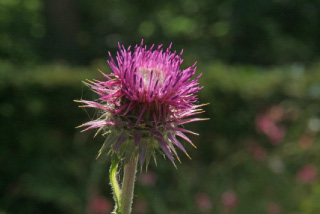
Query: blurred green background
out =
(259, 153)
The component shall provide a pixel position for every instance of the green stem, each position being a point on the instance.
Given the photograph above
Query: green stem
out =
(129, 176)
(114, 182)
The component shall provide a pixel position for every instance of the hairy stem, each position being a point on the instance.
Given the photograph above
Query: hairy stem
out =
(114, 183)
(129, 177)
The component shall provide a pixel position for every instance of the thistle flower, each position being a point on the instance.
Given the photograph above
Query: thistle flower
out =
(147, 98)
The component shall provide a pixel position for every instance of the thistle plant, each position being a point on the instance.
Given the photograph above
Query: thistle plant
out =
(143, 105)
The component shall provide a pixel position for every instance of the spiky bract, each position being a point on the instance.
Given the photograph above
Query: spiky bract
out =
(147, 98)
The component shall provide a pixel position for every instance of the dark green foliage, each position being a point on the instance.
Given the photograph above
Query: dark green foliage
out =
(249, 31)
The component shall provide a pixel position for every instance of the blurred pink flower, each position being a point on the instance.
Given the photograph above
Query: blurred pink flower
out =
(229, 199)
(140, 207)
(203, 201)
(148, 179)
(307, 174)
(100, 205)
(258, 152)
(266, 124)
(273, 208)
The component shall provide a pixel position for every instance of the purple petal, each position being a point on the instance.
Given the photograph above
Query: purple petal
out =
(96, 124)
(177, 143)
(189, 120)
(180, 134)
(180, 130)
(142, 112)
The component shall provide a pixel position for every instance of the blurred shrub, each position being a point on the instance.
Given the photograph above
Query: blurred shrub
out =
(260, 32)
(22, 27)
(257, 154)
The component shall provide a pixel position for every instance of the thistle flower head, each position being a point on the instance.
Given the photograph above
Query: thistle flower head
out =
(144, 102)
